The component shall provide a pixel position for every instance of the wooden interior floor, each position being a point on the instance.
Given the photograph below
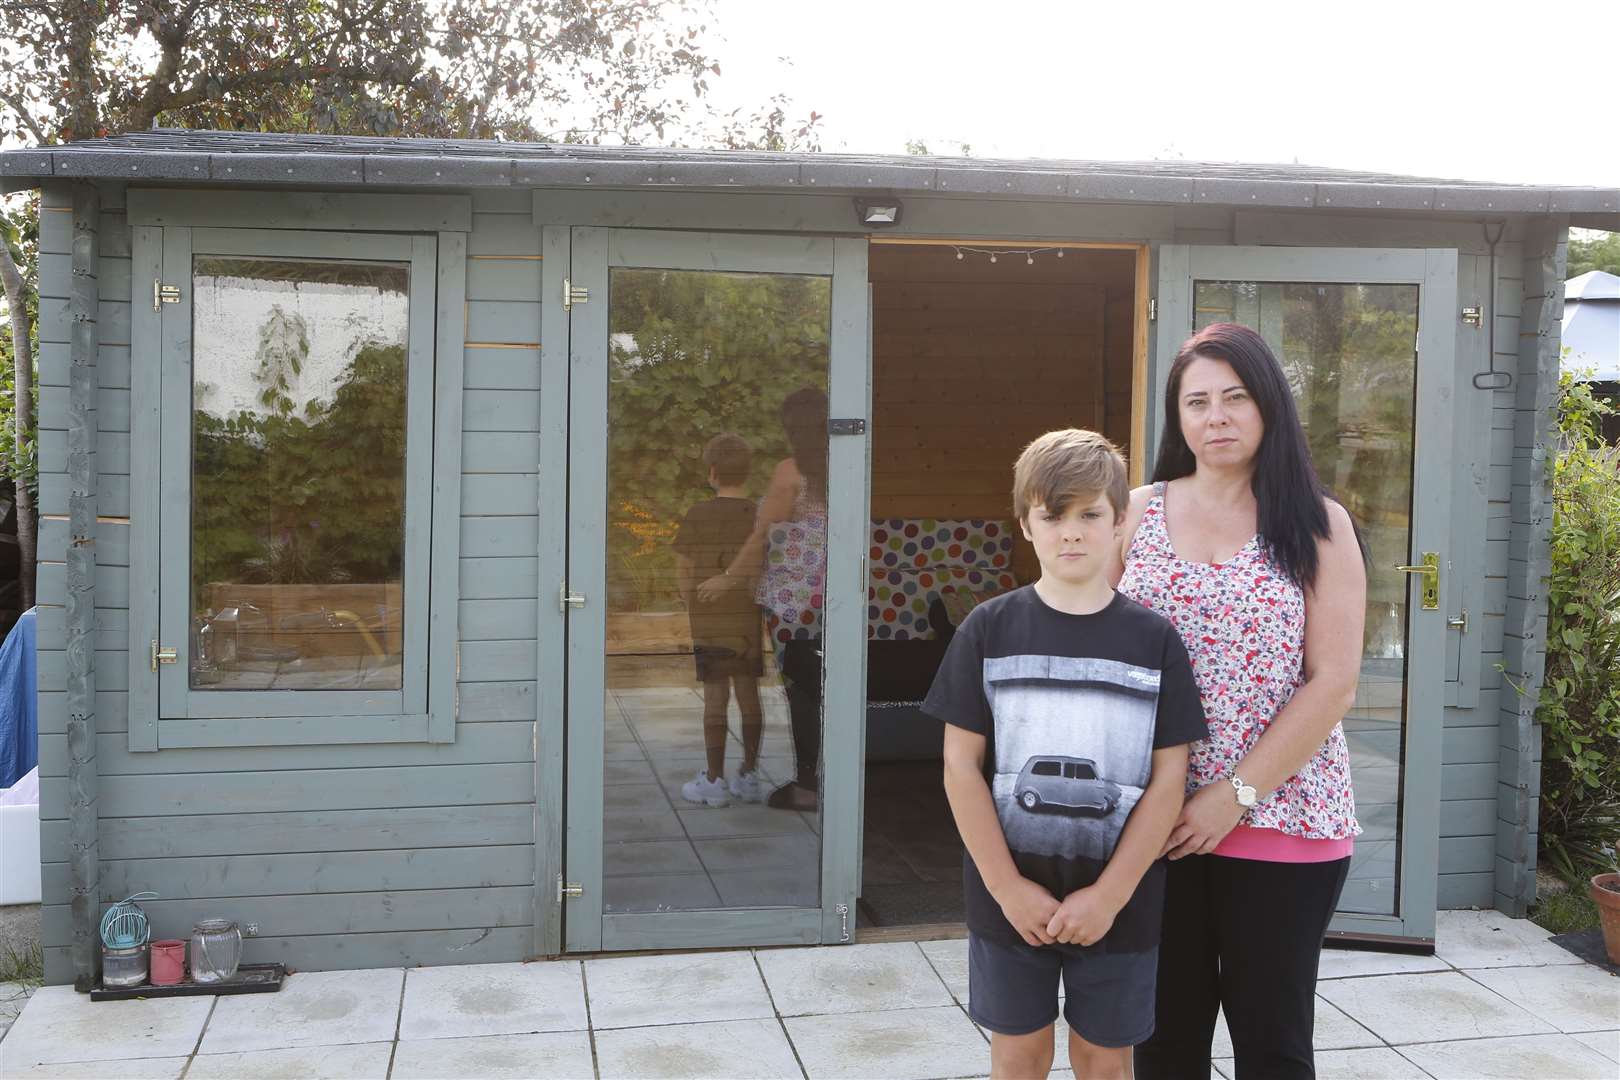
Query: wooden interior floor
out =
(912, 870)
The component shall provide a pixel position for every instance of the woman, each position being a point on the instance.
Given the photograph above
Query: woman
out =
(791, 580)
(1263, 575)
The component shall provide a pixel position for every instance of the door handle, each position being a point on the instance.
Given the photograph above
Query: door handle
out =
(1429, 568)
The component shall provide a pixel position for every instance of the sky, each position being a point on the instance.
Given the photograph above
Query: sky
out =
(1471, 91)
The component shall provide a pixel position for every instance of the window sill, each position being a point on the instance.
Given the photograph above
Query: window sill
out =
(176, 734)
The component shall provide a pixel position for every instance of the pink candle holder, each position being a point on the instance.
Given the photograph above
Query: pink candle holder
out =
(168, 962)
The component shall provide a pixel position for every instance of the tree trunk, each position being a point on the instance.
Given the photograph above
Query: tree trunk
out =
(21, 332)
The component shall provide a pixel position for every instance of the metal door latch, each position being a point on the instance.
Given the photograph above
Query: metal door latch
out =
(167, 654)
(1429, 568)
(164, 294)
(569, 890)
(566, 599)
(843, 921)
(1473, 316)
(574, 294)
(1459, 623)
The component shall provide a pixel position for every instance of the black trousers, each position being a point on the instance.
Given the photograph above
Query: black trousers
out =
(1245, 937)
(801, 672)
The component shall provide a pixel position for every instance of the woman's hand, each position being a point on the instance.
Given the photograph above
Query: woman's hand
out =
(712, 588)
(1206, 817)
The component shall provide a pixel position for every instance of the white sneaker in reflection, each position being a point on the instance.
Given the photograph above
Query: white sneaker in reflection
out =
(700, 789)
(745, 787)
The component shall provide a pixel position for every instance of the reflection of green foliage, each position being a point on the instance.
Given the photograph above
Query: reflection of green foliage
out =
(712, 352)
(1579, 704)
(317, 498)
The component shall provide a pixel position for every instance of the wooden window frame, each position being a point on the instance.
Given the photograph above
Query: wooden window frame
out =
(283, 220)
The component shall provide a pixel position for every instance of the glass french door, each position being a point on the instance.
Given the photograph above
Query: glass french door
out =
(705, 627)
(1367, 340)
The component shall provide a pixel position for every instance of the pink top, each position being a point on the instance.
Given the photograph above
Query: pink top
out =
(1243, 622)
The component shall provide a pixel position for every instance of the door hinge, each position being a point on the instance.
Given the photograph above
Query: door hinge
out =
(1153, 309)
(566, 599)
(165, 654)
(569, 890)
(574, 294)
(164, 294)
(1473, 316)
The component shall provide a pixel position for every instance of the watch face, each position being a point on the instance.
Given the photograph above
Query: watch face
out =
(1245, 796)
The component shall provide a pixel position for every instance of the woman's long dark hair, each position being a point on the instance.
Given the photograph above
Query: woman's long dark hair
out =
(804, 419)
(1291, 499)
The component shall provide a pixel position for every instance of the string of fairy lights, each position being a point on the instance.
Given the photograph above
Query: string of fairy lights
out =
(994, 254)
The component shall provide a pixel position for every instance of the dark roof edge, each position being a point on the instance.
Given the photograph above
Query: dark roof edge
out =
(711, 171)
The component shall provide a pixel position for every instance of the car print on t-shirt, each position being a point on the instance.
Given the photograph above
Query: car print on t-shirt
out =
(1073, 749)
(1065, 783)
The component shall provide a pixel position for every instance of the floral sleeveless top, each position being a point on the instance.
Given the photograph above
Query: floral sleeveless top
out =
(1243, 622)
(792, 585)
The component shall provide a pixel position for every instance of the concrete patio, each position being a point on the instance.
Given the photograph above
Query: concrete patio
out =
(1498, 1000)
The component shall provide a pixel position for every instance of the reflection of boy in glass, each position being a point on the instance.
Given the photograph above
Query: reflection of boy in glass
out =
(726, 627)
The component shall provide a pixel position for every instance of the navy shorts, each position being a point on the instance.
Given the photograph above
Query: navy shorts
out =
(1012, 990)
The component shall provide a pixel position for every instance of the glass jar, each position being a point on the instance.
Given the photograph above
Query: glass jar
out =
(216, 950)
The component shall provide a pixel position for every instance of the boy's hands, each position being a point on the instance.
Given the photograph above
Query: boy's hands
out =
(1084, 917)
(1030, 909)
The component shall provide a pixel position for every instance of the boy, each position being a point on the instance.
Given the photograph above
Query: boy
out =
(1067, 709)
(725, 631)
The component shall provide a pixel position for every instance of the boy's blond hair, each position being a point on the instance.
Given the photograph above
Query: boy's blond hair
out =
(1062, 466)
(729, 456)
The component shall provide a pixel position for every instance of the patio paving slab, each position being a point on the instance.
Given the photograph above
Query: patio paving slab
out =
(492, 999)
(646, 991)
(1428, 1008)
(1606, 1043)
(1352, 963)
(907, 1044)
(950, 961)
(165, 1068)
(61, 1024)
(1539, 1056)
(1334, 1031)
(313, 1008)
(365, 1061)
(728, 1049)
(1569, 998)
(496, 1057)
(1477, 939)
(852, 979)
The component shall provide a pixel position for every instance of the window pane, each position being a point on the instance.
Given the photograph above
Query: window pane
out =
(1349, 353)
(298, 474)
(716, 385)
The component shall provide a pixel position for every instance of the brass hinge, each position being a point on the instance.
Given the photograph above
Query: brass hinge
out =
(1473, 316)
(1153, 309)
(574, 294)
(164, 294)
(166, 654)
(570, 890)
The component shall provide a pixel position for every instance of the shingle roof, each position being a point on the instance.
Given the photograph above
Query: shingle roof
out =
(232, 157)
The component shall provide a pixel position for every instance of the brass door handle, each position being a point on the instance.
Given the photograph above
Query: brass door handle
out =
(1430, 569)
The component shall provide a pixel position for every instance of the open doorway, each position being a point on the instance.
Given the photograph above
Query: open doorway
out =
(977, 349)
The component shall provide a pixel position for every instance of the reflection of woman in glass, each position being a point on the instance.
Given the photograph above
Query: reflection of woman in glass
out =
(1262, 573)
(787, 557)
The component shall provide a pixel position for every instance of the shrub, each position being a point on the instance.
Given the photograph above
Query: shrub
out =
(1579, 708)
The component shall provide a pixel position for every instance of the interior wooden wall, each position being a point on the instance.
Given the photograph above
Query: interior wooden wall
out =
(972, 360)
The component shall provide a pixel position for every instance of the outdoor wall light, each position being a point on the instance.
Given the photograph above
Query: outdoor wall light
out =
(878, 213)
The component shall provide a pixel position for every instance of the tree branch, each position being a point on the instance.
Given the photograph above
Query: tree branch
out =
(28, 121)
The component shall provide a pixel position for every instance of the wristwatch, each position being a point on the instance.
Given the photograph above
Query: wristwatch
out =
(1245, 794)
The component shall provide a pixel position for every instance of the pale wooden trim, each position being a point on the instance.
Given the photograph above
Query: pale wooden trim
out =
(1139, 368)
(508, 258)
(1018, 245)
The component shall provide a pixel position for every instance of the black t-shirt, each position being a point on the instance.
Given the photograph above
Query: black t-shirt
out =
(712, 534)
(1072, 708)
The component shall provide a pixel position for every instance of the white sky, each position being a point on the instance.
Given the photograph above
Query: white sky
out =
(1478, 91)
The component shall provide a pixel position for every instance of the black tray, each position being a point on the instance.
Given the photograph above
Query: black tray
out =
(249, 979)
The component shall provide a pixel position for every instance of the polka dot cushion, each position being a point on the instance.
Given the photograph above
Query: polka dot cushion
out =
(897, 600)
(918, 543)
